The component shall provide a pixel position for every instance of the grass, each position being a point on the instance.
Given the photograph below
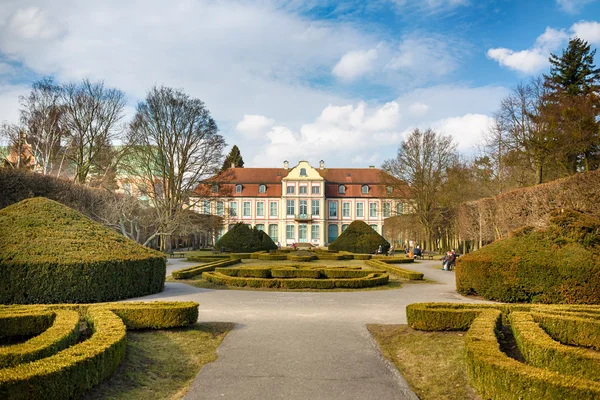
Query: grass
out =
(432, 363)
(162, 364)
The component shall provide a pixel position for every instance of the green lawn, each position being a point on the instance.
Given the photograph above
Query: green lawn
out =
(433, 363)
(162, 364)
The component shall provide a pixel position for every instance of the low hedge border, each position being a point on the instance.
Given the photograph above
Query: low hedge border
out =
(27, 322)
(331, 256)
(273, 257)
(571, 329)
(293, 257)
(240, 256)
(256, 254)
(190, 272)
(63, 333)
(70, 372)
(295, 273)
(214, 257)
(540, 350)
(337, 273)
(373, 279)
(391, 269)
(393, 260)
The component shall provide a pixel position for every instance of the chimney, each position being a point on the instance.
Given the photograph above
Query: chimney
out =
(232, 164)
(321, 164)
(372, 166)
(286, 164)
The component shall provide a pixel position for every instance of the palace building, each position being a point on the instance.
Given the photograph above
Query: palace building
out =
(303, 204)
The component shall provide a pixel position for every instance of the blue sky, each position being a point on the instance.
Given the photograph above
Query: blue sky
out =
(341, 81)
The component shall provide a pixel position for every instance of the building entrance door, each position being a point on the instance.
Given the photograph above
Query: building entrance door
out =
(303, 233)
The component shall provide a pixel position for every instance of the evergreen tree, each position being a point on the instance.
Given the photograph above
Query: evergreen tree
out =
(234, 157)
(574, 73)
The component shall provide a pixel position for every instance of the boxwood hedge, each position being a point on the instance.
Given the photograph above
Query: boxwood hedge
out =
(392, 269)
(50, 253)
(195, 270)
(359, 238)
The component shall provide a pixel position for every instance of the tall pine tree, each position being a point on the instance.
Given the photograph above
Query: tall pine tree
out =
(233, 158)
(574, 73)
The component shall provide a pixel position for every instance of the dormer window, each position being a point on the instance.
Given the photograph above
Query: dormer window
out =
(365, 189)
(238, 188)
(262, 189)
(341, 189)
(389, 189)
(215, 188)
(303, 172)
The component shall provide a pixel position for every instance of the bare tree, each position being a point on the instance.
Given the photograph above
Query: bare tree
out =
(422, 161)
(92, 115)
(175, 147)
(42, 115)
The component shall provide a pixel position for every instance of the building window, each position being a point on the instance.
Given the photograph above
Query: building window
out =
(303, 189)
(290, 190)
(215, 188)
(344, 227)
(260, 209)
(346, 210)
(316, 207)
(289, 231)
(246, 209)
(315, 232)
(332, 233)
(341, 189)
(274, 232)
(303, 208)
(365, 189)
(273, 209)
(302, 233)
(372, 210)
(233, 209)
(399, 208)
(262, 189)
(303, 172)
(374, 227)
(360, 210)
(389, 190)
(260, 227)
(205, 207)
(333, 209)
(220, 207)
(238, 188)
(387, 209)
(316, 190)
(290, 207)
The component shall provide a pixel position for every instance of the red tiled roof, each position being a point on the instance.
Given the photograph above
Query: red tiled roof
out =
(257, 175)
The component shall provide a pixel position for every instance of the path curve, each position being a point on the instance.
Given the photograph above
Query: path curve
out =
(306, 345)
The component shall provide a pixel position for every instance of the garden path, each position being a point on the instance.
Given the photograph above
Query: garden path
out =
(306, 345)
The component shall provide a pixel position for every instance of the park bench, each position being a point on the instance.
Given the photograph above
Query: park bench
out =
(428, 254)
(174, 254)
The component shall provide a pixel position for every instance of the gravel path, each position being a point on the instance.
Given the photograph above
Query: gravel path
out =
(305, 345)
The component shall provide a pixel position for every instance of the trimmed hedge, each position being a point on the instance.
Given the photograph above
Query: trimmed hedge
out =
(558, 264)
(67, 372)
(540, 350)
(25, 323)
(573, 330)
(241, 256)
(492, 373)
(62, 334)
(207, 259)
(392, 269)
(50, 253)
(273, 257)
(190, 272)
(331, 256)
(373, 279)
(393, 259)
(295, 273)
(336, 273)
(243, 239)
(359, 238)
(293, 257)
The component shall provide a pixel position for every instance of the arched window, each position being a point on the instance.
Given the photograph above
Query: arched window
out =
(365, 189)
(341, 189)
(262, 189)
(238, 188)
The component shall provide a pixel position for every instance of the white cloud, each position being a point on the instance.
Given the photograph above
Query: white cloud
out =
(355, 64)
(253, 125)
(9, 105)
(418, 108)
(466, 130)
(588, 31)
(429, 55)
(5, 68)
(526, 61)
(573, 6)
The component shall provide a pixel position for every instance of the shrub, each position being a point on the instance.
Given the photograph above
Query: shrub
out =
(336, 273)
(293, 257)
(256, 272)
(359, 238)
(26, 323)
(330, 256)
(50, 253)
(558, 264)
(362, 256)
(394, 259)
(241, 256)
(210, 258)
(243, 239)
(295, 273)
(155, 315)
(392, 269)
(190, 272)
(574, 330)
(273, 257)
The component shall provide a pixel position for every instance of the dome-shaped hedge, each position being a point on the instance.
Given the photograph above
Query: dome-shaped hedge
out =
(359, 238)
(557, 264)
(243, 239)
(50, 253)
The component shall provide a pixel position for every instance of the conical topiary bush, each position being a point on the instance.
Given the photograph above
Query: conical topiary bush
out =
(359, 238)
(50, 253)
(243, 239)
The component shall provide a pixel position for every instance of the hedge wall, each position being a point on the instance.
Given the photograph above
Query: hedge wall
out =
(50, 253)
(557, 264)
(67, 370)
(552, 371)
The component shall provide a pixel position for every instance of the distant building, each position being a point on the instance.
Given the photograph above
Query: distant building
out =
(302, 204)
